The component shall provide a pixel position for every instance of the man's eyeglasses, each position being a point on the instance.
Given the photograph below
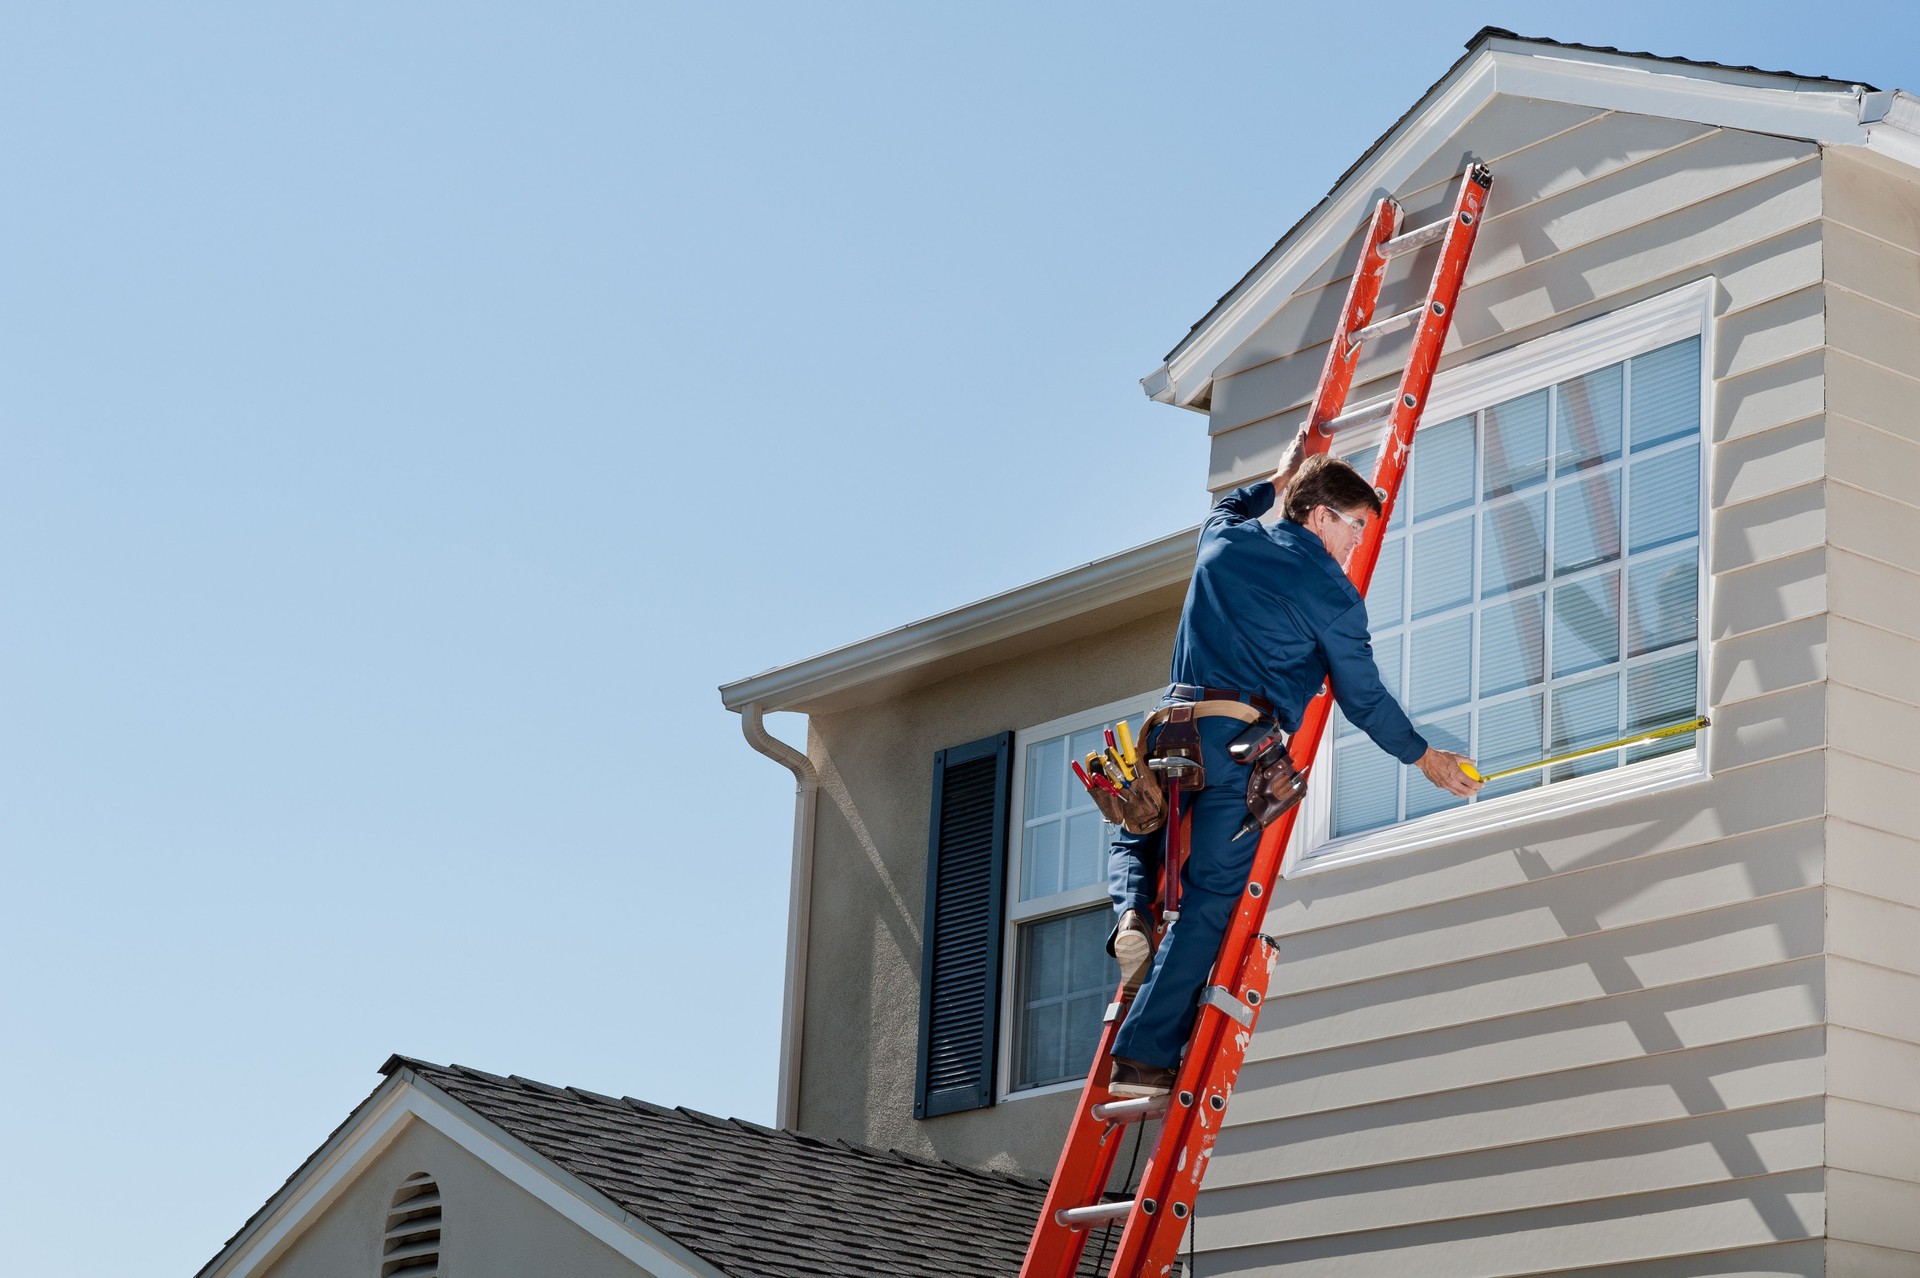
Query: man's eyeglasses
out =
(1359, 526)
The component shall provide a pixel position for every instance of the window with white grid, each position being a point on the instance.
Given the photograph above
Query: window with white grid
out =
(1062, 977)
(1539, 590)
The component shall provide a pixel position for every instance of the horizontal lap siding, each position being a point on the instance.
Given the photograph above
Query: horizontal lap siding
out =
(1871, 230)
(1596, 1039)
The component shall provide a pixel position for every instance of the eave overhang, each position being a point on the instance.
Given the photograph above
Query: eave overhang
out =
(1058, 609)
(1830, 112)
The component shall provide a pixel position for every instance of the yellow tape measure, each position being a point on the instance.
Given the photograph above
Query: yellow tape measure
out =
(1674, 730)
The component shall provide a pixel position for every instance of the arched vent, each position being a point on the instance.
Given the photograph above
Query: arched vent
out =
(413, 1230)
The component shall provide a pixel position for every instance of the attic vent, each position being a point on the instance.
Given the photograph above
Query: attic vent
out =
(413, 1230)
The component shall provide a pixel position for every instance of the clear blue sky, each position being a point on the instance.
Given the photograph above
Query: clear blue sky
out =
(410, 413)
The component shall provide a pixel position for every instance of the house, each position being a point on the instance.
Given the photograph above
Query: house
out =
(445, 1170)
(1652, 1012)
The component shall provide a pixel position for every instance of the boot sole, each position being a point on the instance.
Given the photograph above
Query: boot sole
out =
(1135, 954)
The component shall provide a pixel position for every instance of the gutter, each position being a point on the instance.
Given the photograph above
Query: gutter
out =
(793, 1003)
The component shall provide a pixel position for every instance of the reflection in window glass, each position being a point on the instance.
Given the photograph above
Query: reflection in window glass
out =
(1586, 416)
(1442, 479)
(1513, 545)
(1586, 523)
(1550, 596)
(1442, 567)
(1516, 434)
(1066, 980)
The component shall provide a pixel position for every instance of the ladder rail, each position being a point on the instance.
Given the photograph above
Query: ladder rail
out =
(1157, 1216)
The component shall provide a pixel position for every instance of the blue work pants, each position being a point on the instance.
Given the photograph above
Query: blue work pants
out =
(1161, 1019)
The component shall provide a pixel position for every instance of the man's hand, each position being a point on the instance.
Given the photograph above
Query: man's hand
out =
(1290, 461)
(1442, 767)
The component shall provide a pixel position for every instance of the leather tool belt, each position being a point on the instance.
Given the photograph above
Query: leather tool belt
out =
(1170, 748)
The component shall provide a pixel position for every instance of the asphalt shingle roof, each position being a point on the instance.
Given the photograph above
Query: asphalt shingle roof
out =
(760, 1203)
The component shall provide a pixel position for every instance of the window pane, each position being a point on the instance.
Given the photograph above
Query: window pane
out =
(1586, 523)
(1516, 443)
(1586, 713)
(1442, 665)
(1586, 624)
(1587, 420)
(1513, 645)
(1045, 766)
(1513, 550)
(1384, 606)
(1442, 567)
(1366, 787)
(1443, 468)
(1511, 734)
(1660, 694)
(1423, 796)
(1663, 601)
(1664, 498)
(1086, 842)
(1040, 867)
(1666, 393)
(1066, 978)
(1364, 461)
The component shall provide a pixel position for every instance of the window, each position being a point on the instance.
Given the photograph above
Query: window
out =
(1540, 589)
(1060, 976)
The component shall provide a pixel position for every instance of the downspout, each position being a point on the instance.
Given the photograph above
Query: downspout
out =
(799, 905)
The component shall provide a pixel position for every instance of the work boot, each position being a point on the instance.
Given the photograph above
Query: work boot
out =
(1131, 1078)
(1133, 946)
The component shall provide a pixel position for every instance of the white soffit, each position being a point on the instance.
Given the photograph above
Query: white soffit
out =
(1818, 110)
(832, 678)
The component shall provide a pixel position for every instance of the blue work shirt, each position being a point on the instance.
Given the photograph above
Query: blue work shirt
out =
(1269, 611)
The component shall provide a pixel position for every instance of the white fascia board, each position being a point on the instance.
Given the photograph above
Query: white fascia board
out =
(1062, 597)
(1818, 110)
(406, 1098)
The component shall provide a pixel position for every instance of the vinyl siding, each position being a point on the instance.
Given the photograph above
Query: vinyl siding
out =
(1872, 236)
(1597, 1040)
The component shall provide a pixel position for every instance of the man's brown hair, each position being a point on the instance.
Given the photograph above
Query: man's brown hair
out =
(1327, 481)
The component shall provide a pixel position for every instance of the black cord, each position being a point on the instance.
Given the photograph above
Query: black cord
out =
(1106, 1235)
(1193, 1232)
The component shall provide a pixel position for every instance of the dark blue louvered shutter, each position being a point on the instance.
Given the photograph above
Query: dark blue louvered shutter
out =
(960, 941)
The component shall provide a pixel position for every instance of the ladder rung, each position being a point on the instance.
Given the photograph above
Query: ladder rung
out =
(1081, 1217)
(1364, 415)
(1390, 324)
(1130, 1110)
(1415, 239)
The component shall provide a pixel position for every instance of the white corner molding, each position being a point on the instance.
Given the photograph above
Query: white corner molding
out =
(1820, 111)
(1892, 124)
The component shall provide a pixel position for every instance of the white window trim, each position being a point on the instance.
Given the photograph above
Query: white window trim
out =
(1019, 912)
(1684, 312)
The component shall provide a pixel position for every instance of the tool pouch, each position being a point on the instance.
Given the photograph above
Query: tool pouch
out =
(1273, 784)
(1169, 744)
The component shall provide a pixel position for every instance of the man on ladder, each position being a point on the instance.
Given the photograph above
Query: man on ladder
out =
(1270, 615)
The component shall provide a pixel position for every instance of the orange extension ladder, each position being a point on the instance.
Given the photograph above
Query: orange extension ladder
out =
(1155, 1218)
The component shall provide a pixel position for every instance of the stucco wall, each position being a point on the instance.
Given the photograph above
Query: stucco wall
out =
(869, 892)
(491, 1228)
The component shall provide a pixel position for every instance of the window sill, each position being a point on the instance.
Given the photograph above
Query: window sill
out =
(1049, 1089)
(1544, 803)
